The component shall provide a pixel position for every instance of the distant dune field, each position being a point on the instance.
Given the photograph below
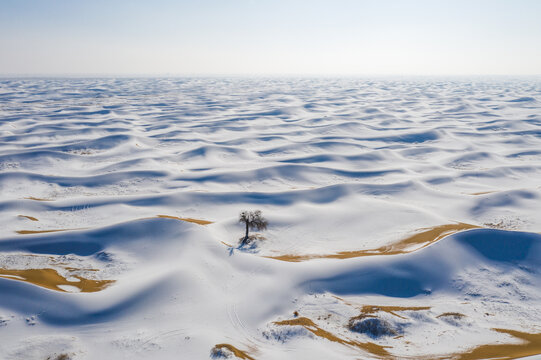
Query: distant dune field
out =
(403, 218)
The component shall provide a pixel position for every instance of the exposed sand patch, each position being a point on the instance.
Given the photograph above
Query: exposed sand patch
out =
(368, 310)
(412, 243)
(454, 315)
(530, 346)
(309, 325)
(376, 326)
(196, 221)
(483, 193)
(50, 279)
(238, 353)
(29, 232)
(28, 217)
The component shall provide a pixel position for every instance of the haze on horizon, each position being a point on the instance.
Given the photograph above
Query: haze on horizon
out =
(264, 37)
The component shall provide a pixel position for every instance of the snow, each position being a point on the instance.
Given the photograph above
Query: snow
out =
(142, 181)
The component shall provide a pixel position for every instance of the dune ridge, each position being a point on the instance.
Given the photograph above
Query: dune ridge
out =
(408, 207)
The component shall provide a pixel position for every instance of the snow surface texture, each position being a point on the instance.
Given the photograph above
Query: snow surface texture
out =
(403, 219)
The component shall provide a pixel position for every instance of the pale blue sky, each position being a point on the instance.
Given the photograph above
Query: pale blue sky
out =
(249, 37)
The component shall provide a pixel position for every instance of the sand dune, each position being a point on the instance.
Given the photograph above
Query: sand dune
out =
(403, 218)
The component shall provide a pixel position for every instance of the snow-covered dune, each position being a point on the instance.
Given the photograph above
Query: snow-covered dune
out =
(403, 218)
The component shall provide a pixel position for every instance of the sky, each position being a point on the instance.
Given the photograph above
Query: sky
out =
(270, 37)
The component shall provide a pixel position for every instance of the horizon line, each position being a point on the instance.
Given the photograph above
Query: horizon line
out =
(251, 75)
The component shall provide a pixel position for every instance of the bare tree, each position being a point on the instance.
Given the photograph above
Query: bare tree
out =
(253, 220)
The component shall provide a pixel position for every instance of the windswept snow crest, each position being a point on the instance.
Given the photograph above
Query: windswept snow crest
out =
(403, 218)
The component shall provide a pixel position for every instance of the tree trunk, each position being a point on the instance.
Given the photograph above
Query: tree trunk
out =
(245, 240)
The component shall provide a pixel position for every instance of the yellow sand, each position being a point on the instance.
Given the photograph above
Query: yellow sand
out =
(309, 325)
(28, 217)
(417, 241)
(196, 221)
(238, 353)
(50, 279)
